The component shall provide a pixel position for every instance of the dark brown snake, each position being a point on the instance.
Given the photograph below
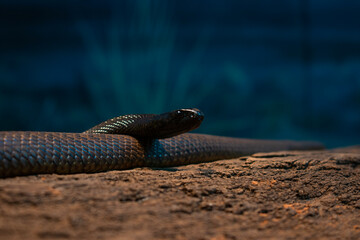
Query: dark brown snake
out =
(108, 146)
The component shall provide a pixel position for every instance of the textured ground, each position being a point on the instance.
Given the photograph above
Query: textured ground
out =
(284, 195)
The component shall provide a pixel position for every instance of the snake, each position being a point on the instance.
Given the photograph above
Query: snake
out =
(126, 142)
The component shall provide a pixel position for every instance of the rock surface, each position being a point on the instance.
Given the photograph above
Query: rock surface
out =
(280, 195)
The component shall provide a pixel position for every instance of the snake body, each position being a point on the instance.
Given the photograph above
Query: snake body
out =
(96, 150)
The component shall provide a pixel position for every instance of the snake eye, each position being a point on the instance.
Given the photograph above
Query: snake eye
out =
(178, 111)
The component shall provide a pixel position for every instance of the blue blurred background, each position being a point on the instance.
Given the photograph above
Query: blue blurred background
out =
(286, 69)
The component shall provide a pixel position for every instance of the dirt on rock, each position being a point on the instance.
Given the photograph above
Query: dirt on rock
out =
(280, 195)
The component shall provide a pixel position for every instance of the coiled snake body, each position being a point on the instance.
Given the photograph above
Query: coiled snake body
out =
(155, 141)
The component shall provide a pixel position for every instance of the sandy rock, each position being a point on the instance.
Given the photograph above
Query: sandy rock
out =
(280, 195)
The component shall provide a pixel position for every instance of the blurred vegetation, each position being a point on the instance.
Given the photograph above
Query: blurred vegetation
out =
(134, 68)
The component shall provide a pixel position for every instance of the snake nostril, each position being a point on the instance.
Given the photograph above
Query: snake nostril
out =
(200, 115)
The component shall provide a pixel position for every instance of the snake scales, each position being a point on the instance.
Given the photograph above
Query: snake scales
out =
(108, 146)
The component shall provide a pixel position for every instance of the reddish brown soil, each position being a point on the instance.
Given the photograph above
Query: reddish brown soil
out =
(283, 195)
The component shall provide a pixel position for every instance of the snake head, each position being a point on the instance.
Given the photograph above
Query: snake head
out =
(191, 117)
(179, 121)
(152, 126)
